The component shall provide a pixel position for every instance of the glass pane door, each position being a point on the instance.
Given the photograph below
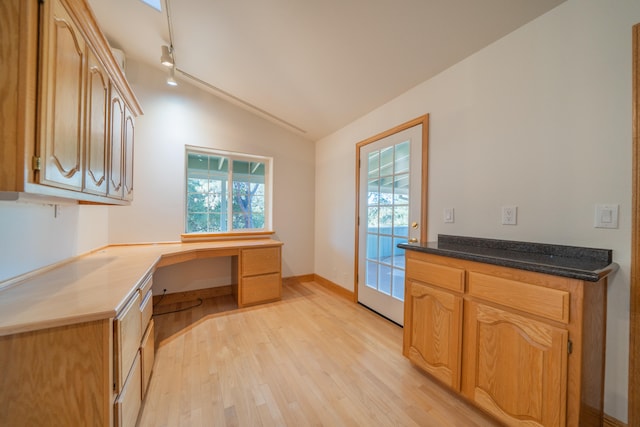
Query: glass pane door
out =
(389, 205)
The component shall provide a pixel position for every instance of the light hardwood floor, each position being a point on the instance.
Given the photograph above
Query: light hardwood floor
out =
(313, 358)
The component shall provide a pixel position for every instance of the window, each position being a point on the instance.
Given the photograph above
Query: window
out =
(227, 192)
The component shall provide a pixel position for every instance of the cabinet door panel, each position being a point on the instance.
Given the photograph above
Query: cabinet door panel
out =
(95, 180)
(518, 367)
(62, 100)
(436, 332)
(116, 146)
(127, 179)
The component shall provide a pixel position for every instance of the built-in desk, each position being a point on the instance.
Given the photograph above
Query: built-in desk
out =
(72, 337)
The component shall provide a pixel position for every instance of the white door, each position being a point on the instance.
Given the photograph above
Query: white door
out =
(390, 198)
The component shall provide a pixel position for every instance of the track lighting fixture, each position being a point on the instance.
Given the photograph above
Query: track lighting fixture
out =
(171, 79)
(167, 56)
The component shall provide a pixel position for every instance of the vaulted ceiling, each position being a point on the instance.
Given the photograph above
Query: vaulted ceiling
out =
(312, 66)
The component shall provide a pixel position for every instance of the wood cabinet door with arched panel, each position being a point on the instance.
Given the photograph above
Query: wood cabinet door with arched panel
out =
(95, 179)
(63, 53)
(515, 367)
(434, 331)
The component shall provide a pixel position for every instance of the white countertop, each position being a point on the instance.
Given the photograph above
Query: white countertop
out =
(95, 286)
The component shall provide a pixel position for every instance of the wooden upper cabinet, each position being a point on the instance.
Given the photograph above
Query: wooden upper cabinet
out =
(515, 367)
(57, 83)
(63, 53)
(95, 180)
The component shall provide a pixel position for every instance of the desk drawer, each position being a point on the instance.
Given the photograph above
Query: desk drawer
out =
(259, 289)
(146, 285)
(128, 403)
(260, 261)
(146, 310)
(147, 356)
(127, 332)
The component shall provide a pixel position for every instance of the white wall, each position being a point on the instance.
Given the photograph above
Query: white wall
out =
(31, 236)
(540, 119)
(185, 115)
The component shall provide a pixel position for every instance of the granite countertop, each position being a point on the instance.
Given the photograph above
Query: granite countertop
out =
(589, 264)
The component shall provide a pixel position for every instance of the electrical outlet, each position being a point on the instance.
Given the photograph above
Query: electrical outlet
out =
(509, 215)
(449, 215)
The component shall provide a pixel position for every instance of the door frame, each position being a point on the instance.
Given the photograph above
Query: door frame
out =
(424, 121)
(634, 311)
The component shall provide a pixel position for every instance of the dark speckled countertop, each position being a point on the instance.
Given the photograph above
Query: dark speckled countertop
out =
(588, 264)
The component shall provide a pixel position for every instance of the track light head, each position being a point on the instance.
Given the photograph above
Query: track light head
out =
(171, 79)
(166, 58)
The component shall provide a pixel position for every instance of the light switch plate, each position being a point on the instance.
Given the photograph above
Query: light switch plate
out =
(449, 215)
(606, 216)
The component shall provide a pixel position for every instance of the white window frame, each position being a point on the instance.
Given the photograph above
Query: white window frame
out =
(231, 156)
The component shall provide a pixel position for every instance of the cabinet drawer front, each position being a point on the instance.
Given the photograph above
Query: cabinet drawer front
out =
(147, 353)
(127, 335)
(146, 285)
(146, 310)
(128, 403)
(261, 288)
(546, 302)
(435, 274)
(260, 261)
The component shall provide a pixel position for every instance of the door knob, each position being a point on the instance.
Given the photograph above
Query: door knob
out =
(413, 240)
(414, 224)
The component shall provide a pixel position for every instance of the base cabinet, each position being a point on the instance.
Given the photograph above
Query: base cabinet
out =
(86, 374)
(525, 347)
(259, 276)
(58, 376)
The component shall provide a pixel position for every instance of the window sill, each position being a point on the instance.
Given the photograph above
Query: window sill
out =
(204, 237)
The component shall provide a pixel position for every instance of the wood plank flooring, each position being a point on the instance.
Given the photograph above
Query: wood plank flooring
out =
(312, 359)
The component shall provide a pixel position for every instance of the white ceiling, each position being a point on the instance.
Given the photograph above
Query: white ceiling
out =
(312, 66)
